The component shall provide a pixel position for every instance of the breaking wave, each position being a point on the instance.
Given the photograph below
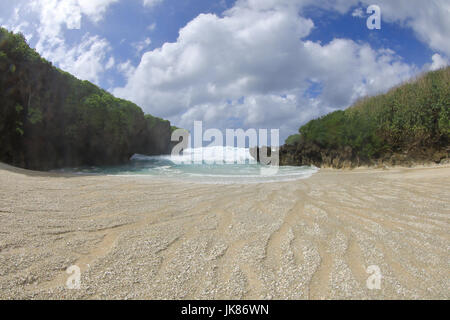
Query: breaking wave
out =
(217, 165)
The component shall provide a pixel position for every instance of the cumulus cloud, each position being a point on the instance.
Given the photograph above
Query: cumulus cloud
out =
(87, 60)
(54, 14)
(252, 68)
(95, 9)
(438, 62)
(428, 19)
(126, 68)
(46, 20)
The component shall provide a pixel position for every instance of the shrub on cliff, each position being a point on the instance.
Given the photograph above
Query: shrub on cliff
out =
(293, 139)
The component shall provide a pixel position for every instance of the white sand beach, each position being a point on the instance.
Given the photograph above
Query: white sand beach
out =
(149, 238)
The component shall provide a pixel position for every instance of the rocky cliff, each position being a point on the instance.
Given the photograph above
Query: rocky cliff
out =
(49, 119)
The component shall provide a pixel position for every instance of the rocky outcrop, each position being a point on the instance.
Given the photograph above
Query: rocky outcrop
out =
(157, 138)
(259, 152)
(311, 154)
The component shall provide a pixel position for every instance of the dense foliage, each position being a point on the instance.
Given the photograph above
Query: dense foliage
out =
(411, 118)
(293, 139)
(50, 119)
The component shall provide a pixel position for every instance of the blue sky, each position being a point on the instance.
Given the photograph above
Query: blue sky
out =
(232, 64)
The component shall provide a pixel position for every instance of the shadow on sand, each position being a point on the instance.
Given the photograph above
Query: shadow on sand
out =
(42, 174)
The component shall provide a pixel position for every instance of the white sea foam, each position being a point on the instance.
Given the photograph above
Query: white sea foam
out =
(211, 165)
(218, 165)
(216, 154)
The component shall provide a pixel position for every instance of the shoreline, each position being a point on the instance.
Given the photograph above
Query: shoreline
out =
(431, 165)
(156, 239)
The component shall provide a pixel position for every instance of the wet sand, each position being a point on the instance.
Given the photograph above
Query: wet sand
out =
(147, 238)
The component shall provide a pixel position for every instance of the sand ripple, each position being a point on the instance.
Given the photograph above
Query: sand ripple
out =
(153, 239)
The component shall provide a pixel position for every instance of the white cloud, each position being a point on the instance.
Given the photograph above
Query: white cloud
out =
(141, 45)
(126, 68)
(358, 12)
(258, 54)
(151, 3)
(110, 63)
(438, 62)
(95, 9)
(56, 13)
(429, 19)
(46, 20)
(87, 60)
(12, 19)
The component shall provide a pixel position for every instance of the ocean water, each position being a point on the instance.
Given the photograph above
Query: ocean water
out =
(216, 165)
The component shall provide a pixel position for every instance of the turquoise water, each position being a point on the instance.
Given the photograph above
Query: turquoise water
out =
(211, 165)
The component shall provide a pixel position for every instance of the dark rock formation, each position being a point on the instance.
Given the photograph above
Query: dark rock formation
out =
(310, 154)
(408, 125)
(265, 155)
